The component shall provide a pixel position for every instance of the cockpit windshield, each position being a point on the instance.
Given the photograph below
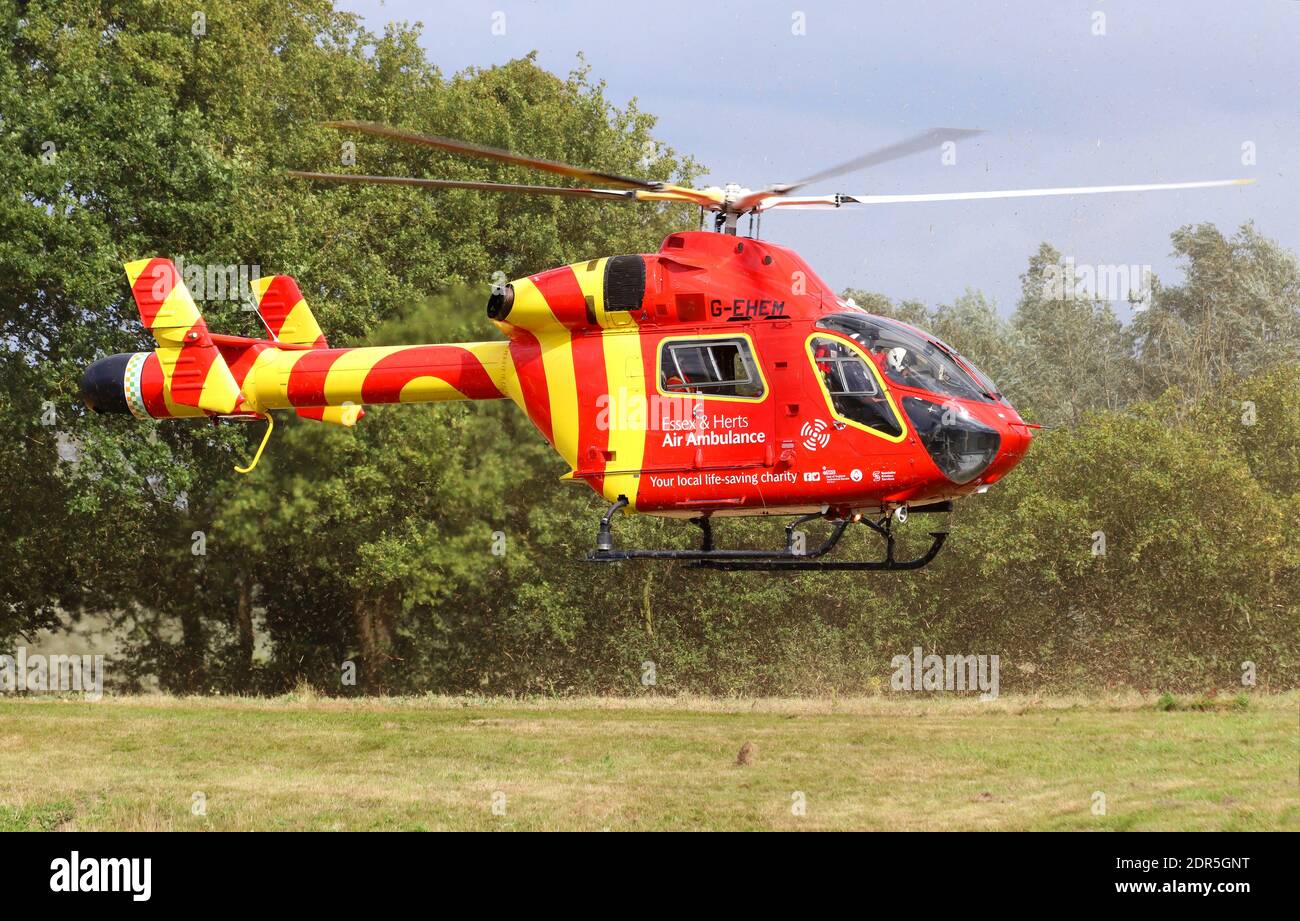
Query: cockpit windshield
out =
(984, 380)
(908, 358)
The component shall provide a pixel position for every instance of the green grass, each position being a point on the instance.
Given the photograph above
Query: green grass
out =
(651, 763)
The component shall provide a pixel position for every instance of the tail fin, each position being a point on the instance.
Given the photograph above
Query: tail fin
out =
(285, 312)
(194, 373)
(288, 319)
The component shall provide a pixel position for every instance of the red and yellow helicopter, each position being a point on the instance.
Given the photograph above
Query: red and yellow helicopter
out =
(720, 376)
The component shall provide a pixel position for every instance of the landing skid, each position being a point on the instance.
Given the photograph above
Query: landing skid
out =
(792, 559)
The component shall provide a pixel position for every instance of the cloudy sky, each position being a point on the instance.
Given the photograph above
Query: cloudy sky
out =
(1170, 92)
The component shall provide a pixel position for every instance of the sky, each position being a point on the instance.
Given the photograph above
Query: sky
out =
(1067, 92)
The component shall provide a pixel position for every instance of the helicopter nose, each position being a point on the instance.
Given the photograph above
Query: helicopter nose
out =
(103, 385)
(964, 443)
(1015, 437)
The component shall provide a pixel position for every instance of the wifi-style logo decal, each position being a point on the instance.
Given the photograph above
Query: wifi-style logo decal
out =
(814, 434)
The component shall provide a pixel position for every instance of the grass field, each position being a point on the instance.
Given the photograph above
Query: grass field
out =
(437, 763)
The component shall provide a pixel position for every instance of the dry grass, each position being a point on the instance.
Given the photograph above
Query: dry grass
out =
(307, 762)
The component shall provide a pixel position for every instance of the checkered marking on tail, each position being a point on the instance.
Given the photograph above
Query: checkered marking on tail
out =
(131, 383)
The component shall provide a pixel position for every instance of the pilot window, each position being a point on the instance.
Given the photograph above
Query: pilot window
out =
(852, 387)
(710, 367)
(907, 357)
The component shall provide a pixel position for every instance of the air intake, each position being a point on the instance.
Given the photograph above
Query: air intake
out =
(624, 282)
(500, 302)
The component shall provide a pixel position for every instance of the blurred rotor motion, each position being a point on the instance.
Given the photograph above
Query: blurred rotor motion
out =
(727, 203)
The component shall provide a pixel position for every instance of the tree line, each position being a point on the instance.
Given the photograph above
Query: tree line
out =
(1145, 541)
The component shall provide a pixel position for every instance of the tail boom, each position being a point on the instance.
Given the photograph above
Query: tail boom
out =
(336, 381)
(381, 374)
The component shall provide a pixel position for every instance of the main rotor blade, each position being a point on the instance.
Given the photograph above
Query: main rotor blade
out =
(926, 140)
(835, 201)
(625, 195)
(492, 153)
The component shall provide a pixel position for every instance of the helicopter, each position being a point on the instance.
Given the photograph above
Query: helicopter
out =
(718, 377)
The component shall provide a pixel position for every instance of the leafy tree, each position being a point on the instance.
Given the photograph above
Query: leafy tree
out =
(130, 131)
(1073, 357)
(375, 545)
(1236, 312)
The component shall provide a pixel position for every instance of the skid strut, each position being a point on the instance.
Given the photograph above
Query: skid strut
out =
(792, 558)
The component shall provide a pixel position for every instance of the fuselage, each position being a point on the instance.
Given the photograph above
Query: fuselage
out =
(723, 376)
(718, 376)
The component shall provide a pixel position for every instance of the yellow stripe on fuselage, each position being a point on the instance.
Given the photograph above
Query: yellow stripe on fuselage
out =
(273, 382)
(562, 388)
(627, 404)
(495, 358)
(591, 281)
(506, 376)
(557, 362)
(428, 389)
(625, 376)
(264, 364)
(344, 380)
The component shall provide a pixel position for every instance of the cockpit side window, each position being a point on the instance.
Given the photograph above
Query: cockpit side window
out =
(852, 387)
(908, 358)
(722, 367)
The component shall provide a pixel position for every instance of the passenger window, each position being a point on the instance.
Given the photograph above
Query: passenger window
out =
(852, 387)
(710, 367)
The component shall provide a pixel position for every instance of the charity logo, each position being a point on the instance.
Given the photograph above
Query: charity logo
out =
(814, 434)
